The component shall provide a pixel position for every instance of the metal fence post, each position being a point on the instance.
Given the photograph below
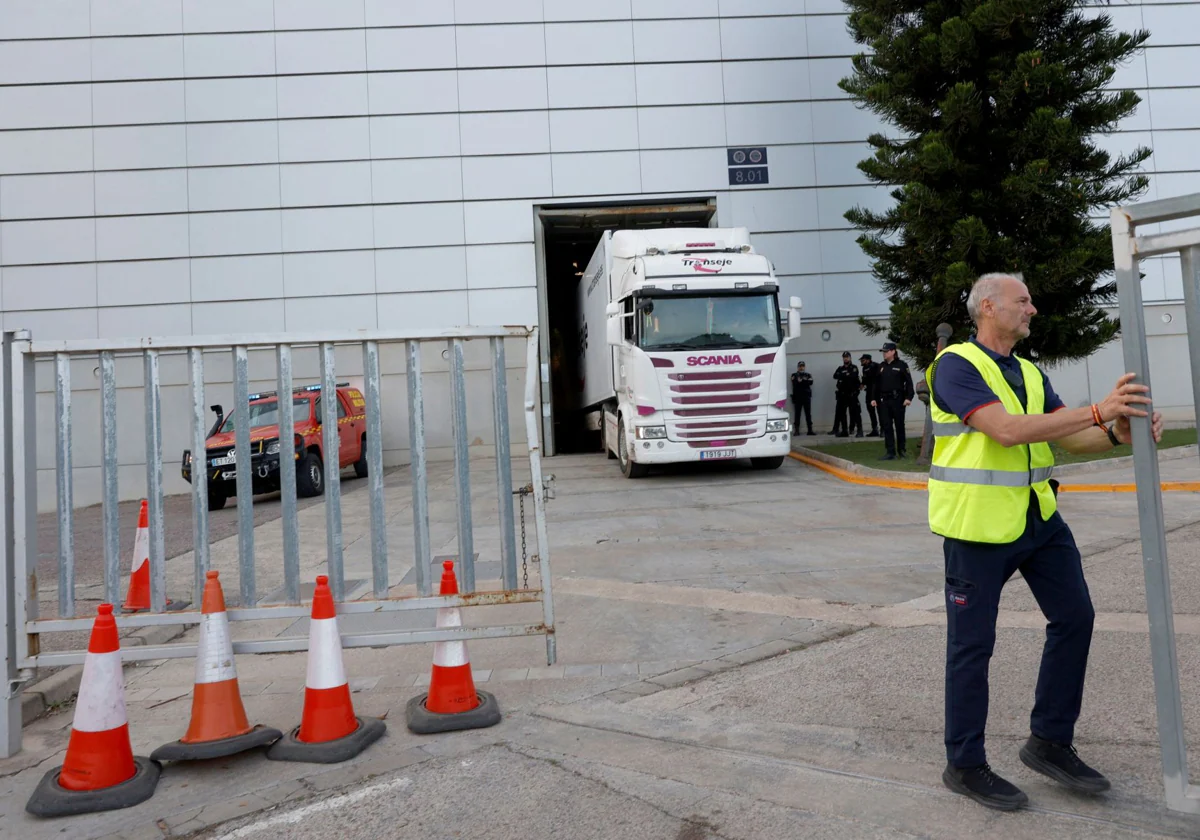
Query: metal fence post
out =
(1189, 264)
(10, 716)
(1159, 609)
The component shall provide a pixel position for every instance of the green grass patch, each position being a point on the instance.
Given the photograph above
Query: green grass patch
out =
(868, 452)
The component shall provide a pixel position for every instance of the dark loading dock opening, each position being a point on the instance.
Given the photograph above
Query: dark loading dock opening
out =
(570, 236)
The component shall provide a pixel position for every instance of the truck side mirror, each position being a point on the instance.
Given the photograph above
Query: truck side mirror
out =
(794, 307)
(614, 330)
(612, 309)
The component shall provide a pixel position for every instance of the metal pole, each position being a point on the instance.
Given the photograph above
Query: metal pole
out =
(10, 717)
(539, 501)
(422, 550)
(379, 561)
(154, 482)
(245, 478)
(66, 505)
(108, 470)
(1153, 530)
(333, 461)
(508, 538)
(1189, 263)
(199, 475)
(462, 468)
(287, 474)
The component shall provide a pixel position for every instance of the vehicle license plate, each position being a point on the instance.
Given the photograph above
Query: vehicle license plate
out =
(714, 454)
(224, 462)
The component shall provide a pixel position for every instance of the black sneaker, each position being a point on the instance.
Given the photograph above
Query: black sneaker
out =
(984, 786)
(1061, 763)
(888, 457)
(811, 432)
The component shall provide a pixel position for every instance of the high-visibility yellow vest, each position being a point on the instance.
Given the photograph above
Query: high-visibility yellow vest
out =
(979, 489)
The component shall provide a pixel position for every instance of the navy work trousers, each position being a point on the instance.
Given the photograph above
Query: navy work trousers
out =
(1048, 559)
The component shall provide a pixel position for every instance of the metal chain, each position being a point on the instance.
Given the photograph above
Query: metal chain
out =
(524, 551)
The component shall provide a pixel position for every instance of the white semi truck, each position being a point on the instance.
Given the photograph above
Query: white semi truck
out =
(683, 349)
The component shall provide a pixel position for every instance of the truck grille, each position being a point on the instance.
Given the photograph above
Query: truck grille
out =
(715, 388)
(715, 409)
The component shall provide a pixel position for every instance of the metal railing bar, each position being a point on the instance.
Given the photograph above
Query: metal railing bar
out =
(422, 550)
(374, 453)
(269, 340)
(154, 481)
(465, 567)
(287, 475)
(331, 448)
(245, 478)
(508, 537)
(64, 476)
(108, 470)
(200, 551)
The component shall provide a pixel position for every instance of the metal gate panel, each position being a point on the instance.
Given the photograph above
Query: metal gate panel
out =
(19, 605)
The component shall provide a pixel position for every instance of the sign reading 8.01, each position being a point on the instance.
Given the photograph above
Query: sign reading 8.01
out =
(747, 166)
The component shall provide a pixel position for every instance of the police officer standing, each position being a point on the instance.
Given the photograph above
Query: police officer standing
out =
(895, 392)
(849, 411)
(992, 499)
(870, 385)
(802, 383)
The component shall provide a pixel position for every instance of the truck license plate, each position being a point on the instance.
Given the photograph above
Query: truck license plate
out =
(714, 454)
(223, 462)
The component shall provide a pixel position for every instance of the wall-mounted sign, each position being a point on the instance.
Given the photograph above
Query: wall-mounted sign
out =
(747, 165)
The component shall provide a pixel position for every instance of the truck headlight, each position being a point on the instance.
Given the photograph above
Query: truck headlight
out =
(651, 432)
(273, 448)
(777, 425)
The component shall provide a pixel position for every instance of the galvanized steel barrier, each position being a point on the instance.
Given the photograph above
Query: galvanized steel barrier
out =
(1128, 248)
(18, 466)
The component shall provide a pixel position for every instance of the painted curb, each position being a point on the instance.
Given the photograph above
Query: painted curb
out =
(857, 474)
(60, 687)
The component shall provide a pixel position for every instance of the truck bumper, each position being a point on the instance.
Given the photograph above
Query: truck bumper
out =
(770, 445)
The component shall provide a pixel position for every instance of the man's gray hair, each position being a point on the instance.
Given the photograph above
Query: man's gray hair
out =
(986, 287)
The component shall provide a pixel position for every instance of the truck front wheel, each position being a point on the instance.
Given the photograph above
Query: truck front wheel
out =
(772, 463)
(310, 476)
(629, 468)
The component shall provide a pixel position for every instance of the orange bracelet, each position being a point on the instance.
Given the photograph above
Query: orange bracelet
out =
(1096, 415)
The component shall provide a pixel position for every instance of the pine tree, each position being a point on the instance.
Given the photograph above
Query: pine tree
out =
(993, 106)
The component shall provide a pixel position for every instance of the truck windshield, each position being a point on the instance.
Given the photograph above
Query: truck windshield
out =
(726, 321)
(267, 414)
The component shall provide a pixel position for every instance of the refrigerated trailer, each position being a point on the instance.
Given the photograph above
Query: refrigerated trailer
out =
(683, 348)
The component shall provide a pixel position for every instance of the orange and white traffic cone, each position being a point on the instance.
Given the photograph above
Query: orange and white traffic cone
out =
(138, 596)
(329, 731)
(452, 702)
(219, 726)
(100, 771)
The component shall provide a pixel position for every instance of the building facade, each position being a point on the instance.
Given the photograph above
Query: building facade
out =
(218, 166)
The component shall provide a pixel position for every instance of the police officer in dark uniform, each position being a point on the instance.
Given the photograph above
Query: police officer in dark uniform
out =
(849, 411)
(870, 384)
(895, 393)
(802, 383)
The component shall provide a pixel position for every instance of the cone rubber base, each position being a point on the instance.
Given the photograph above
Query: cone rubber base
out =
(172, 606)
(291, 748)
(259, 736)
(50, 799)
(424, 722)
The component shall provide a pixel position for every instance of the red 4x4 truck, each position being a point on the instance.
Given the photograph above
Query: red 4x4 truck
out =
(221, 463)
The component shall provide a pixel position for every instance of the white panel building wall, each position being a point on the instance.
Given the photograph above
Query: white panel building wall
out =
(203, 166)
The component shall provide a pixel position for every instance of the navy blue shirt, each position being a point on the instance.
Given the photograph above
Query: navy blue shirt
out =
(959, 388)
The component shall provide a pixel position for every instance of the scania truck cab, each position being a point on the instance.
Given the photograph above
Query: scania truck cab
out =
(693, 366)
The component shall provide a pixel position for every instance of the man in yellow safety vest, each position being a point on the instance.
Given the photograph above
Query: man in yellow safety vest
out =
(992, 498)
